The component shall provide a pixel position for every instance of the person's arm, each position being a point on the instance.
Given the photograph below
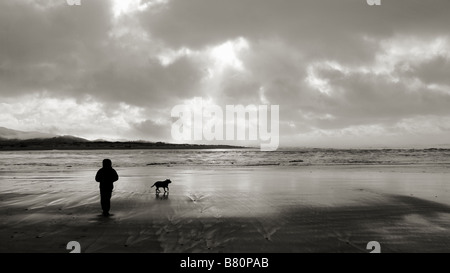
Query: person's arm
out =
(116, 176)
(98, 176)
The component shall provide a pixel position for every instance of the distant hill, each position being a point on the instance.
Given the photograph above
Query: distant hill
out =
(11, 140)
(6, 133)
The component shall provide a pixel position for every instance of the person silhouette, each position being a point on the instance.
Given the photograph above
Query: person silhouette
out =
(106, 176)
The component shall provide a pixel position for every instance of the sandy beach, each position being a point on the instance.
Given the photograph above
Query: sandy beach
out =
(308, 209)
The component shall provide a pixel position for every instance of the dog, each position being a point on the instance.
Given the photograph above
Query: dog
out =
(162, 184)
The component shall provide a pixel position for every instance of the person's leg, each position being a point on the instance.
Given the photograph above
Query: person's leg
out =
(105, 200)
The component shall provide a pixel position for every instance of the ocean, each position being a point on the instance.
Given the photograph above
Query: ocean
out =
(73, 159)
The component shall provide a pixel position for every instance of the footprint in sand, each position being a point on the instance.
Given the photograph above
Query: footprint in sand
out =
(268, 227)
(196, 197)
(346, 238)
(198, 200)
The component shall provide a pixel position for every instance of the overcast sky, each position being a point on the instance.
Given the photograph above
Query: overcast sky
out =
(342, 72)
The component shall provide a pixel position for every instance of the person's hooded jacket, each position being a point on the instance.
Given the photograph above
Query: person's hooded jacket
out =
(106, 176)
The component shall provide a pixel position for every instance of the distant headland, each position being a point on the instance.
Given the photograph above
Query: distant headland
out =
(75, 143)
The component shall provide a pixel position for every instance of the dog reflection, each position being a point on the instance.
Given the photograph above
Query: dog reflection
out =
(163, 196)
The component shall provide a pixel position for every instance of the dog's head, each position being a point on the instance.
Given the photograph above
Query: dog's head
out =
(168, 181)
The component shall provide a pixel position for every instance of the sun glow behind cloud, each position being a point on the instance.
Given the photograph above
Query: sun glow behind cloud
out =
(218, 57)
(123, 7)
(226, 54)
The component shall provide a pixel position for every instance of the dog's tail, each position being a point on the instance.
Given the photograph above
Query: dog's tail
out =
(152, 186)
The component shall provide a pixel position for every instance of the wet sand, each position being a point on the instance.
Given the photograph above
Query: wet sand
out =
(308, 209)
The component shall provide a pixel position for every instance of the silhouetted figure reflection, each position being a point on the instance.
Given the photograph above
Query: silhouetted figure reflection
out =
(164, 196)
(106, 176)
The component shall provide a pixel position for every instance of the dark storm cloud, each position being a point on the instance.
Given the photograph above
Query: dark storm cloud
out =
(433, 71)
(46, 48)
(151, 130)
(149, 84)
(323, 28)
(71, 52)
